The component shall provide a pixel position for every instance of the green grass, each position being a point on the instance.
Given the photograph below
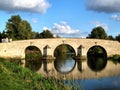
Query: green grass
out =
(15, 77)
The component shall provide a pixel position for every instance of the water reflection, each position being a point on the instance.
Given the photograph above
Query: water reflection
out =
(79, 64)
(64, 64)
(33, 65)
(96, 63)
(67, 64)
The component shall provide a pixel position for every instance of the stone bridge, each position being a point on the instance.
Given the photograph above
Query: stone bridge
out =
(16, 49)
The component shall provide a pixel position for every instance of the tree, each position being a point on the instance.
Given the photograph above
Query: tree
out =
(36, 35)
(98, 33)
(118, 38)
(110, 37)
(25, 30)
(17, 29)
(46, 34)
(12, 26)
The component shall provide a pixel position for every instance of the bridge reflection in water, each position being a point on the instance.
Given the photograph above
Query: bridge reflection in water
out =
(95, 66)
(78, 69)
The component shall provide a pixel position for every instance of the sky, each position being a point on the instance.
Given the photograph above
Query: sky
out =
(65, 18)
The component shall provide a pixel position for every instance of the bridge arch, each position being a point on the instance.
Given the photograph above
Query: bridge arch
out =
(32, 47)
(97, 58)
(33, 57)
(67, 46)
(100, 47)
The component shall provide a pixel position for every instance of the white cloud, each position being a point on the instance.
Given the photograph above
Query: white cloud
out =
(36, 6)
(115, 17)
(97, 23)
(64, 30)
(107, 6)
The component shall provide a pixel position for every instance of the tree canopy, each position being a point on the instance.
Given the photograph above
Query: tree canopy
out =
(118, 38)
(98, 33)
(44, 34)
(18, 29)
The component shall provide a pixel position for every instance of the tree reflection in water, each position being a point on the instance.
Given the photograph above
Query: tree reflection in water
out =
(96, 63)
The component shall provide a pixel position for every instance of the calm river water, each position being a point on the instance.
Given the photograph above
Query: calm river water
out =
(109, 81)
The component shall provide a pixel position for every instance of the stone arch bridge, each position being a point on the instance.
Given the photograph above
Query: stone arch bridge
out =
(16, 49)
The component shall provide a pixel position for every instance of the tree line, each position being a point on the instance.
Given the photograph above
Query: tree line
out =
(18, 29)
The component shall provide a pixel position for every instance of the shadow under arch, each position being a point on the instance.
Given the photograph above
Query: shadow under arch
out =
(33, 58)
(97, 58)
(64, 62)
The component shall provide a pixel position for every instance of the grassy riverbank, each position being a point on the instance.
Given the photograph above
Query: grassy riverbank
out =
(14, 77)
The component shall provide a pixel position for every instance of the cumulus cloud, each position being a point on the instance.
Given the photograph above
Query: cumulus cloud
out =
(65, 30)
(115, 17)
(36, 6)
(107, 6)
(97, 23)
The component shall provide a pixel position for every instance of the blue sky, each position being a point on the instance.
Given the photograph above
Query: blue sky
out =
(66, 18)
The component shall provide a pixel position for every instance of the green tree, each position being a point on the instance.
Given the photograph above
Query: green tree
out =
(36, 35)
(12, 26)
(25, 30)
(17, 29)
(0, 36)
(110, 37)
(98, 33)
(46, 34)
(118, 38)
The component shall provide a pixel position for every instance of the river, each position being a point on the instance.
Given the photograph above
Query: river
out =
(98, 75)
